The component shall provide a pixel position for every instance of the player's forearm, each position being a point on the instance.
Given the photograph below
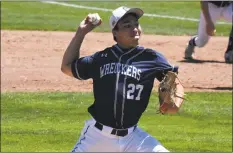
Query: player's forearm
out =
(205, 10)
(73, 51)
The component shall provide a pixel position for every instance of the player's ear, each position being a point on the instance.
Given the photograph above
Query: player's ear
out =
(114, 33)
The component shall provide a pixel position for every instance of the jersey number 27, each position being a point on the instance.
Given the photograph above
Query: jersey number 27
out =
(134, 91)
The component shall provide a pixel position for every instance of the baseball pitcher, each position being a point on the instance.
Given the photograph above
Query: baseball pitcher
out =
(123, 77)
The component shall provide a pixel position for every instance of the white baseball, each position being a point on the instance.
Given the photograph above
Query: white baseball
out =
(95, 18)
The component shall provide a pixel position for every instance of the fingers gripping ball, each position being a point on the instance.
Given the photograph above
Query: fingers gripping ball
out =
(171, 94)
(95, 18)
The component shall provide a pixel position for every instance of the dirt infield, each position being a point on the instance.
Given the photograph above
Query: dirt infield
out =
(30, 61)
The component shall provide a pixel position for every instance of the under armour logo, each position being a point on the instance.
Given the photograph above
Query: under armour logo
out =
(104, 55)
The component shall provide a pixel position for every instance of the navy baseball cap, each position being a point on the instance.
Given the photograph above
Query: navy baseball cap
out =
(118, 13)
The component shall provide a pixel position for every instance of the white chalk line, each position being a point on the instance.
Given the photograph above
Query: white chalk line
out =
(110, 10)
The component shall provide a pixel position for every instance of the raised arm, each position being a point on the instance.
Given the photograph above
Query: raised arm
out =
(73, 50)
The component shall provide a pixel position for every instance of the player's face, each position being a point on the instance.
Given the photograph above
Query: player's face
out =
(129, 31)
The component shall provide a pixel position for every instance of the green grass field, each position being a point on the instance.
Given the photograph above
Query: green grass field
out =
(51, 122)
(44, 16)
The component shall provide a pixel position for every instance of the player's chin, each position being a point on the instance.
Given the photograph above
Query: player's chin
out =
(135, 42)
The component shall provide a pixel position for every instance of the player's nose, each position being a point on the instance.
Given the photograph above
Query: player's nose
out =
(135, 29)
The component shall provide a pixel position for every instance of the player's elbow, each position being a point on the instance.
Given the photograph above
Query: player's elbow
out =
(66, 69)
(63, 68)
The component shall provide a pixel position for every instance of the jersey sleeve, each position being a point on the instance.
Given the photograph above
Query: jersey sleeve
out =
(163, 66)
(82, 68)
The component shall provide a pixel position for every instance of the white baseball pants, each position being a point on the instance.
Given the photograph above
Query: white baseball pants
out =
(94, 140)
(216, 13)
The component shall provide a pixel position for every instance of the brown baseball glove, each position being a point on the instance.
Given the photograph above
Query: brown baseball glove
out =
(171, 94)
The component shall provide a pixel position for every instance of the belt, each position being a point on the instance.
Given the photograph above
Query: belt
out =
(117, 132)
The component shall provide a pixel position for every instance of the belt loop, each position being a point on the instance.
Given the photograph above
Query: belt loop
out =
(114, 131)
(99, 126)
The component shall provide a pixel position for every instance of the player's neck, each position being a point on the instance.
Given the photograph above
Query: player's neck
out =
(124, 47)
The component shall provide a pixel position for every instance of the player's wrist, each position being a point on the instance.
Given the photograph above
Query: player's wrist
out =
(80, 34)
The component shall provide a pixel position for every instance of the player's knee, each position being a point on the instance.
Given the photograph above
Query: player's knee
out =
(229, 57)
(201, 43)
